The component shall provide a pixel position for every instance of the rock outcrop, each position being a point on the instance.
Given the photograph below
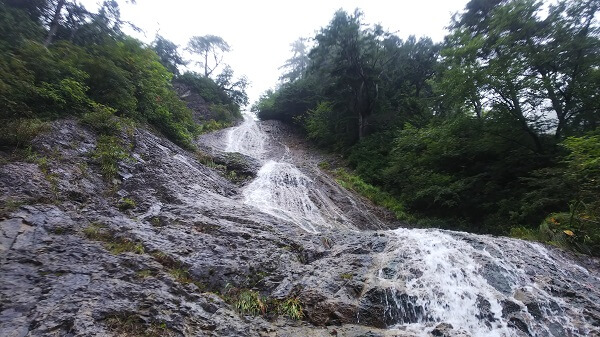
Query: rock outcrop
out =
(163, 249)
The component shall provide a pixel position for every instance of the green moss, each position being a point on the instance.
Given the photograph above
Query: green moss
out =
(118, 246)
(99, 232)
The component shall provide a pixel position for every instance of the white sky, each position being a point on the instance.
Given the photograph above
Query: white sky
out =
(260, 31)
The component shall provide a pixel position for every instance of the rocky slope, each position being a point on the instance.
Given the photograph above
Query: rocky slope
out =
(165, 249)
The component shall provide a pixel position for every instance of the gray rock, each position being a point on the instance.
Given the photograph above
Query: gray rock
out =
(74, 264)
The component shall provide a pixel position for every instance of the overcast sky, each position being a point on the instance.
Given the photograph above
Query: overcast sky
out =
(260, 31)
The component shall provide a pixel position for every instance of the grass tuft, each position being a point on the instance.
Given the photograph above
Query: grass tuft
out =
(130, 325)
(126, 203)
(375, 194)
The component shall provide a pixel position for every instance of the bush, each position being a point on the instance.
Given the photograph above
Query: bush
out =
(109, 153)
(19, 133)
(103, 120)
(126, 203)
(205, 87)
(373, 193)
(291, 308)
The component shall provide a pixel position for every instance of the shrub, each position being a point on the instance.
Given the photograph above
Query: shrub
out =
(373, 193)
(19, 133)
(108, 153)
(291, 308)
(126, 203)
(102, 119)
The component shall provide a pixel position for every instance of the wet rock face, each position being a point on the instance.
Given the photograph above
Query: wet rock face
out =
(384, 308)
(75, 262)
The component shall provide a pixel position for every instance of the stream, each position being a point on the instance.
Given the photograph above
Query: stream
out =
(480, 285)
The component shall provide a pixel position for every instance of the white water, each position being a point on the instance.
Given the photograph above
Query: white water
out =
(247, 138)
(281, 189)
(429, 276)
(443, 273)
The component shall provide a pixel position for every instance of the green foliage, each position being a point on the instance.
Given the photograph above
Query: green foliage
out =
(116, 245)
(119, 246)
(129, 325)
(96, 231)
(168, 54)
(346, 276)
(249, 302)
(126, 203)
(373, 193)
(463, 133)
(290, 307)
(112, 73)
(145, 273)
(183, 276)
(102, 119)
(205, 87)
(18, 133)
(8, 206)
(226, 114)
(320, 126)
(290, 103)
(109, 153)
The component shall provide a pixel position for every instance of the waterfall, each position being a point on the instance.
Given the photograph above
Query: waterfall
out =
(480, 285)
(247, 138)
(280, 188)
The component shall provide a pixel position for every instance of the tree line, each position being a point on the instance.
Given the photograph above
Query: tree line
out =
(57, 60)
(494, 130)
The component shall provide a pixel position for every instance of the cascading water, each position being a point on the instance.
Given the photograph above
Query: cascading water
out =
(247, 138)
(480, 285)
(281, 189)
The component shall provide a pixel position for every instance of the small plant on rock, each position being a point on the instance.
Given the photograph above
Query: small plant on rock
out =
(249, 302)
(346, 276)
(291, 308)
(126, 203)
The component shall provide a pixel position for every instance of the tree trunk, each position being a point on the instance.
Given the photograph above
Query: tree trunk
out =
(523, 121)
(206, 64)
(55, 22)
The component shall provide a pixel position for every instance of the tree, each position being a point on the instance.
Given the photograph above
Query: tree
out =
(350, 59)
(209, 46)
(55, 22)
(297, 64)
(235, 88)
(504, 57)
(565, 53)
(168, 54)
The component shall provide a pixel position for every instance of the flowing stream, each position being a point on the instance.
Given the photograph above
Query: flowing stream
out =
(481, 285)
(280, 189)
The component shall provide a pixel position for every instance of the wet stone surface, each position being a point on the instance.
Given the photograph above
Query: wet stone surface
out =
(75, 262)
